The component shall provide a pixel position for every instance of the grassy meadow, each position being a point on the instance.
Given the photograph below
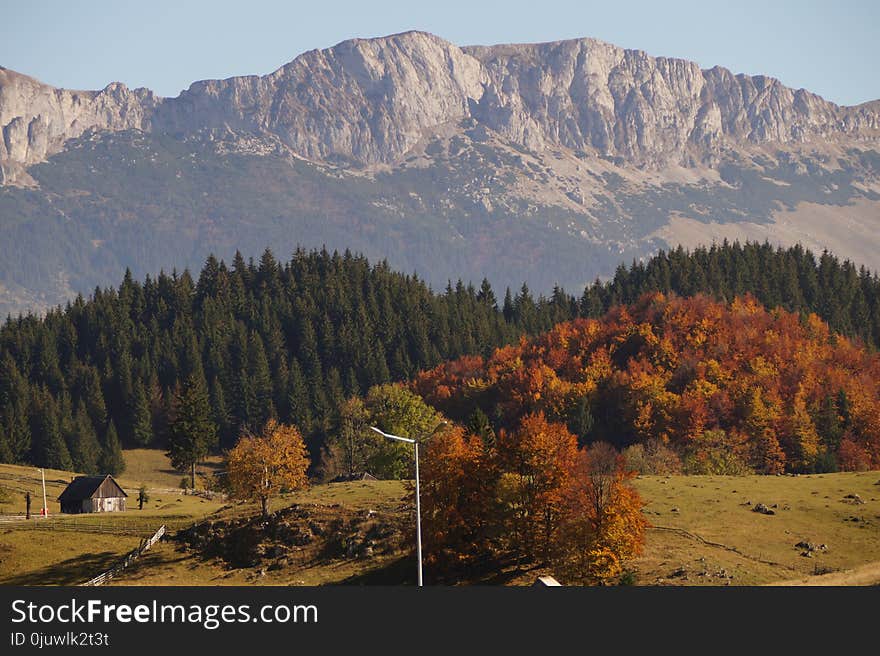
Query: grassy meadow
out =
(703, 531)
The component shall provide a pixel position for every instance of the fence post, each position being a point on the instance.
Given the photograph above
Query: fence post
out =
(129, 558)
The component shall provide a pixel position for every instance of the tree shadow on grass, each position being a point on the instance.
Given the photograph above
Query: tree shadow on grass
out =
(72, 571)
(401, 571)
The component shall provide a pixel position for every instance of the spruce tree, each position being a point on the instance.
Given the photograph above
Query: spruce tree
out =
(192, 431)
(85, 449)
(5, 449)
(486, 296)
(259, 400)
(142, 418)
(111, 460)
(298, 398)
(479, 425)
(48, 448)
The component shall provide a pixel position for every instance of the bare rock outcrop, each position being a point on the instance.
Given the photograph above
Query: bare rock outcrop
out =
(369, 101)
(36, 119)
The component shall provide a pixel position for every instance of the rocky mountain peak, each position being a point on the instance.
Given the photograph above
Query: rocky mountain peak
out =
(365, 102)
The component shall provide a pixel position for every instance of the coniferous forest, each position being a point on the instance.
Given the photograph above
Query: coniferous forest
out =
(292, 340)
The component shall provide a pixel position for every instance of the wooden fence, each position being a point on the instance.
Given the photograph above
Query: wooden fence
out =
(145, 544)
(107, 523)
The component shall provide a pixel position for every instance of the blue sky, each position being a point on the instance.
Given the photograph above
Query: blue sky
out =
(829, 47)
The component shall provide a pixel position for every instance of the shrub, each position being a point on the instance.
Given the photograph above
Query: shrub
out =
(716, 453)
(852, 456)
(627, 578)
(652, 457)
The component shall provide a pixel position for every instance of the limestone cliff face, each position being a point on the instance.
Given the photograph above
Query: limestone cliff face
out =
(36, 119)
(363, 100)
(366, 102)
(588, 94)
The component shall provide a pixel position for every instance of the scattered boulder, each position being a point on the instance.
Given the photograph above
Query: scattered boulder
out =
(854, 499)
(764, 510)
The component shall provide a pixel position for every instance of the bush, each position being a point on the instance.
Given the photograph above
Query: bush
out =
(852, 456)
(627, 578)
(826, 463)
(652, 457)
(716, 453)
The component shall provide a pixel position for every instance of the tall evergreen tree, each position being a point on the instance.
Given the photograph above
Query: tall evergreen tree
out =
(82, 442)
(111, 461)
(142, 418)
(479, 425)
(192, 431)
(48, 448)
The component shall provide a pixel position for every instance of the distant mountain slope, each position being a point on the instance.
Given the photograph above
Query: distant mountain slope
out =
(547, 162)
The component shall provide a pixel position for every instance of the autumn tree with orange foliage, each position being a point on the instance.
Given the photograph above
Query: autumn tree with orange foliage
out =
(263, 465)
(602, 523)
(456, 508)
(533, 497)
(536, 460)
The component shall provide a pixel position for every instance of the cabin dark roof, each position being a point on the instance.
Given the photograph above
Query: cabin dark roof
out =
(86, 487)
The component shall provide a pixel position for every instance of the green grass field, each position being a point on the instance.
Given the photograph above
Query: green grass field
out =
(70, 549)
(705, 524)
(704, 531)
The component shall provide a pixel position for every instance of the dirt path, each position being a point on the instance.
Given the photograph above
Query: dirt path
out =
(868, 574)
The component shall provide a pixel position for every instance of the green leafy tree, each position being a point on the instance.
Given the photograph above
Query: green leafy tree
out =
(352, 444)
(396, 410)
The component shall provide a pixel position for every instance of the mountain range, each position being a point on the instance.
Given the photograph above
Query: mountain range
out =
(548, 163)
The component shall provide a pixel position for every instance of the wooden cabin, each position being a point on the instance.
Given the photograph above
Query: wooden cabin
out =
(88, 494)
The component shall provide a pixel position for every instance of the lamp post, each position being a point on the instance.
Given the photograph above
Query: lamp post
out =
(45, 512)
(418, 501)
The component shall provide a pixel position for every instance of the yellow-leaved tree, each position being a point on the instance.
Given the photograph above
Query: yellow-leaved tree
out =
(263, 465)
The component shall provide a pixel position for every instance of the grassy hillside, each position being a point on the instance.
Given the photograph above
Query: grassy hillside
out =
(705, 524)
(704, 532)
(70, 549)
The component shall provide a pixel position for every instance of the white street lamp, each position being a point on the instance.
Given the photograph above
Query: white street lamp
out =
(45, 512)
(418, 503)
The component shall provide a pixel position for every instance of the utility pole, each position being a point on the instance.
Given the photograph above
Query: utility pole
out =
(27, 504)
